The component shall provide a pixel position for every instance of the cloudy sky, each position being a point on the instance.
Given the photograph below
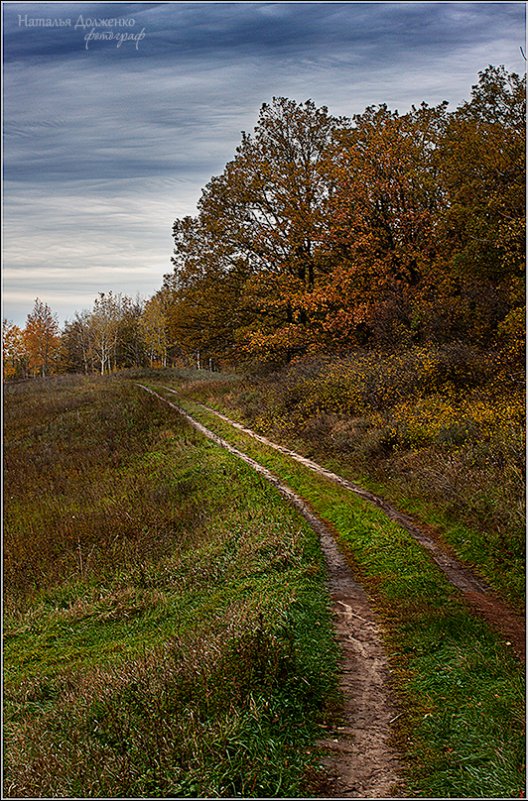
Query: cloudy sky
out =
(106, 142)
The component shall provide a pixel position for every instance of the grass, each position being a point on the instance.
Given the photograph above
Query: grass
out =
(459, 687)
(437, 432)
(167, 629)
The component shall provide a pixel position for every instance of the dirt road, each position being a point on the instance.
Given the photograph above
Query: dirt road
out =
(359, 758)
(478, 596)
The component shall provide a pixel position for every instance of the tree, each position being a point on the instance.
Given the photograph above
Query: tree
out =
(262, 218)
(41, 338)
(14, 355)
(383, 212)
(130, 335)
(483, 175)
(270, 199)
(153, 323)
(380, 231)
(203, 295)
(104, 325)
(76, 344)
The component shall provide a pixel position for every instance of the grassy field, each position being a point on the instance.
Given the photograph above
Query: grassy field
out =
(167, 629)
(460, 689)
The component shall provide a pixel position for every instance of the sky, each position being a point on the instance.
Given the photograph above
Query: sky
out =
(108, 140)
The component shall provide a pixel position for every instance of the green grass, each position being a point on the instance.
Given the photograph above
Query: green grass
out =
(504, 571)
(459, 686)
(483, 551)
(167, 628)
(167, 625)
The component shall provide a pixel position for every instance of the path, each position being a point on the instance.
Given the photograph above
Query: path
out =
(361, 761)
(481, 599)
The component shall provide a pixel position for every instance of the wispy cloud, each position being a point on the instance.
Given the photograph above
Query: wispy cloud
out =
(106, 146)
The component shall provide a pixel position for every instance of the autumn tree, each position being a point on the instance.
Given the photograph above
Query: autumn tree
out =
(153, 325)
(262, 219)
(14, 355)
(203, 295)
(384, 230)
(104, 326)
(77, 351)
(383, 212)
(41, 338)
(269, 201)
(131, 350)
(483, 175)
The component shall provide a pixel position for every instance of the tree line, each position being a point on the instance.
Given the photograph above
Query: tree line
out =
(331, 234)
(118, 332)
(380, 231)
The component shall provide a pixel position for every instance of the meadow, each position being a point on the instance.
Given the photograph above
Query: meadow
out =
(167, 630)
(457, 684)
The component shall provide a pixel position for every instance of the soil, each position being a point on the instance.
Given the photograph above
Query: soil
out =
(359, 758)
(478, 596)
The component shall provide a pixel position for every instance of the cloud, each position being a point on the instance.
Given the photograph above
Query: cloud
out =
(106, 146)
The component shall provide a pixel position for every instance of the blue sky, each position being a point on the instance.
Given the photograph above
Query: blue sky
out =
(105, 145)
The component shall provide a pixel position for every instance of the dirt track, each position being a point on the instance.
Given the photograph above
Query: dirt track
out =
(360, 760)
(479, 597)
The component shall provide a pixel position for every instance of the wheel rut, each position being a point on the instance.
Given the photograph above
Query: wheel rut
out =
(359, 757)
(476, 593)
